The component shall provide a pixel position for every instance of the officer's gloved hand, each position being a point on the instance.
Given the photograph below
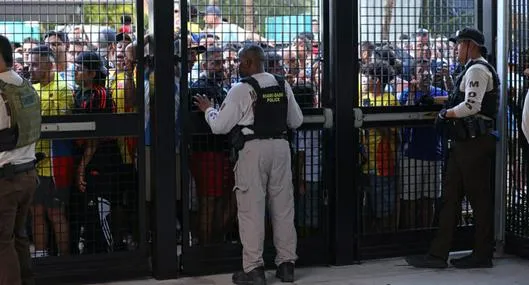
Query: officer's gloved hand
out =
(440, 121)
(426, 100)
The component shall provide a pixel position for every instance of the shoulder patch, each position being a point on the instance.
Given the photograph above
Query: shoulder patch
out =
(253, 95)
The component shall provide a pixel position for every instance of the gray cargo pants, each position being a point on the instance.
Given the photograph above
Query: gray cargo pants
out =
(263, 168)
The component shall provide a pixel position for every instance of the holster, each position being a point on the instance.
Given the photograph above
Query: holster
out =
(8, 139)
(469, 128)
(237, 140)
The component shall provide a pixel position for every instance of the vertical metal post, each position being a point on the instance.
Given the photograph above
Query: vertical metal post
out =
(165, 265)
(140, 99)
(343, 69)
(184, 126)
(485, 10)
(502, 44)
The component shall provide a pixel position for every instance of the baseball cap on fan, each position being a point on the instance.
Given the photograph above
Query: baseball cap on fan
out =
(191, 45)
(106, 37)
(421, 32)
(212, 10)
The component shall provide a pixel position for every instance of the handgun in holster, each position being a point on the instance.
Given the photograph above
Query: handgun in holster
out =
(237, 140)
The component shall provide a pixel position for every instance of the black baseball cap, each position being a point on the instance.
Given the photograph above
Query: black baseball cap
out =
(123, 37)
(60, 34)
(92, 61)
(42, 50)
(273, 56)
(470, 34)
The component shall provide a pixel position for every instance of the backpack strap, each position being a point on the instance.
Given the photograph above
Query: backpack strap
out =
(253, 82)
(281, 81)
(3, 84)
(495, 77)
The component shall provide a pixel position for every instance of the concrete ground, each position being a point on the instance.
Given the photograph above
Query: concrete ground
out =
(507, 270)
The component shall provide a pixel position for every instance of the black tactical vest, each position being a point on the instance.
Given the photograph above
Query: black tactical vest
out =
(489, 105)
(270, 109)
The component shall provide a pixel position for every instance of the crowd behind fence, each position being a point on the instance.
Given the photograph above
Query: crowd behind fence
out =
(88, 201)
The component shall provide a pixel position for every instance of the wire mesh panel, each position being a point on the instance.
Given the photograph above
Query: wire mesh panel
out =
(79, 57)
(518, 148)
(288, 31)
(406, 60)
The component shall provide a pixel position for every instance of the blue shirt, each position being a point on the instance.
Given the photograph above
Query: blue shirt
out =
(422, 143)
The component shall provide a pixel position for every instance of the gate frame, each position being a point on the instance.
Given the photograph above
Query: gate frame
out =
(163, 171)
(502, 52)
(79, 269)
(342, 197)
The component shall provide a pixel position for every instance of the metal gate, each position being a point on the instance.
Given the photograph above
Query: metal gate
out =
(401, 158)
(517, 25)
(289, 33)
(88, 217)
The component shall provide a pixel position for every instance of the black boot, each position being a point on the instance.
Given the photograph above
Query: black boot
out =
(285, 272)
(470, 261)
(254, 277)
(426, 261)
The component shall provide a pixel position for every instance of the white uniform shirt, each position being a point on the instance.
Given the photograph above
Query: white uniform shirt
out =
(19, 155)
(525, 117)
(237, 107)
(477, 81)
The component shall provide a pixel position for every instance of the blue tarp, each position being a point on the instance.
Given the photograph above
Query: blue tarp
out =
(18, 31)
(285, 28)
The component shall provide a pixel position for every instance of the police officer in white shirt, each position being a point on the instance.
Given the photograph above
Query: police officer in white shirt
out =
(469, 123)
(20, 121)
(257, 113)
(525, 117)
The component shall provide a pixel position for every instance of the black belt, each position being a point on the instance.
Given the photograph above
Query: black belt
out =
(10, 170)
(276, 137)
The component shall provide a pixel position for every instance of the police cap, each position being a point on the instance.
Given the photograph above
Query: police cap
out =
(470, 34)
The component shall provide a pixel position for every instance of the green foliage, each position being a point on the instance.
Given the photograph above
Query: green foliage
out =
(445, 17)
(233, 10)
(106, 14)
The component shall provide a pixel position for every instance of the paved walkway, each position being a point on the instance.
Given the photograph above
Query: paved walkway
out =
(507, 271)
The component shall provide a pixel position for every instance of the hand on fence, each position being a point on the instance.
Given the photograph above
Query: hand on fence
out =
(203, 102)
(302, 188)
(81, 182)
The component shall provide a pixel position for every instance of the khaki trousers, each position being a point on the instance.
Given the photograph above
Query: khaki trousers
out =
(16, 196)
(263, 170)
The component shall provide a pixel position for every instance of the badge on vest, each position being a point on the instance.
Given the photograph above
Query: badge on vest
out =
(273, 97)
(28, 100)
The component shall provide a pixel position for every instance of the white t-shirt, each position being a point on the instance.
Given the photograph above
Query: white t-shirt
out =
(228, 33)
(237, 107)
(19, 155)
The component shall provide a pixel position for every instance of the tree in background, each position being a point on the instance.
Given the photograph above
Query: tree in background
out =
(107, 14)
(388, 16)
(445, 17)
(253, 13)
